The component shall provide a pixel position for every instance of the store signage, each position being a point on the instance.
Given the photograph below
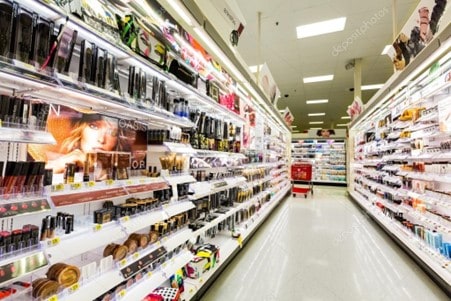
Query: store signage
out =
(147, 187)
(268, 84)
(327, 133)
(287, 116)
(428, 19)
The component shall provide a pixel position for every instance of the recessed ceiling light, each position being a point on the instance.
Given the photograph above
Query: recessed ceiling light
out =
(372, 87)
(386, 49)
(294, 126)
(316, 122)
(319, 28)
(315, 79)
(295, 131)
(315, 128)
(316, 114)
(315, 101)
(345, 117)
(342, 124)
(255, 67)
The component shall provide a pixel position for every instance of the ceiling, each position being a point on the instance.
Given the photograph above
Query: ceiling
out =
(290, 59)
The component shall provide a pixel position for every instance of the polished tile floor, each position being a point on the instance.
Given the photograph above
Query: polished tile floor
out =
(322, 248)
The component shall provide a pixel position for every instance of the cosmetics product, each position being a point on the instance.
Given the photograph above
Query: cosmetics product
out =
(6, 26)
(16, 240)
(70, 173)
(34, 28)
(122, 164)
(23, 34)
(143, 85)
(113, 83)
(65, 49)
(14, 26)
(20, 182)
(131, 80)
(12, 172)
(44, 229)
(93, 64)
(102, 57)
(104, 166)
(45, 28)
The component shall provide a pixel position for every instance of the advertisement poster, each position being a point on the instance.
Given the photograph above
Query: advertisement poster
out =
(249, 114)
(327, 133)
(268, 84)
(428, 19)
(79, 133)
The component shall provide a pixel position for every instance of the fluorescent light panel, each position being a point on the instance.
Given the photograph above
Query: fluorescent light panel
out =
(315, 128)
(316, 122)
(386, 49)
(320, 28)
(316, 114)
(372, 87)
(316, 101)
(342, 124)
(254, 68)
(315, 79)
(345, 117)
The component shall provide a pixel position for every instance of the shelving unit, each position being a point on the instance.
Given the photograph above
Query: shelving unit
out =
(328, 157)
(399, 161)
(84, 247)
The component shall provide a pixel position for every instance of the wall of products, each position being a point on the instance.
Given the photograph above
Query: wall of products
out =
(399, 166)
(328, 157)
(165, 194)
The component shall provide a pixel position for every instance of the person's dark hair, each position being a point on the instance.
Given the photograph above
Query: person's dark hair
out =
(331, 132)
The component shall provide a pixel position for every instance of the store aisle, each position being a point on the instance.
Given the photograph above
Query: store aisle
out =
(322, 248)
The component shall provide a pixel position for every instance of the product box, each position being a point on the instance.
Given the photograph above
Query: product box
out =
(196, 267)
(103, 166)
(164, 294)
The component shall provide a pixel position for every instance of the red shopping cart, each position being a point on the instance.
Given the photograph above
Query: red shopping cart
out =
(301, 173)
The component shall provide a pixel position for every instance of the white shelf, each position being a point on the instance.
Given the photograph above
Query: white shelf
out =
(174, 209)
(173, 147)
(24, 135)
(179, 179)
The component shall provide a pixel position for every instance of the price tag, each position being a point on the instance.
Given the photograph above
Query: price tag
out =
(122, 294)
(97, 227)
(149, 274)
(129, 182)
(58, 187)
(142, 181)
(91, 184)
(74, 287)
(165, 264)
(191, 290)
(125, 219)
(201, 280)
(135, 255)
(54, 241)
(109, 182)
(53, 298)
(158, 243)
(123, 262)
(240, 241)
(75, 186)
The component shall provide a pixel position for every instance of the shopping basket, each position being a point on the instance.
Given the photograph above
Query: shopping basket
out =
(301, 173)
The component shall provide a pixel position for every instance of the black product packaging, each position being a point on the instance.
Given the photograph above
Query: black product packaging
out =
(113, 83)
(23, 34)
(34, 26)
(65, 49)
(42, 44)
(4, 107)
(131, 80)
(102, 63)
(142, 94)
(6, 24)
(86, 66)
(26, 104)
(93, 64)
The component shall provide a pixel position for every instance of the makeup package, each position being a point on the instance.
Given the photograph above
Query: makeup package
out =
(7, 12)
(42, 39)
(25, 22)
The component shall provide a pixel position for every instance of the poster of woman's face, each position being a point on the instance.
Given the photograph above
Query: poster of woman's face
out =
(78, 134)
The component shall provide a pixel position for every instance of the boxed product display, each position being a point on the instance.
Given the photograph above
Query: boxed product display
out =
(164, 294)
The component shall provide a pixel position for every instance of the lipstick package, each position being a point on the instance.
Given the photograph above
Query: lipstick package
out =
(21, 178)
(43, 41)
(112, 73)
(34, 27)
(23, 34)
(131, 80)
(87, 60)
(14, 26)
(101, 72)
(65, 49)
(12, 172)
(6, 24)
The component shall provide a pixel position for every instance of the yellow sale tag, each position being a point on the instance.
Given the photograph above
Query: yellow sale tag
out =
(240, 241)
(149, 274)
(54, 241)
(58, 187)
(142, 181)
(158, 243)
(75, 186)
(201, 280)
(91, 184)
(74, 287)
(136, 256)
(191, 290)
(53, 298)
(129, 182)
(165, 264)
(125, 219)
(122, 293)
(97, 227)
(109, 182)
(123, 262)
